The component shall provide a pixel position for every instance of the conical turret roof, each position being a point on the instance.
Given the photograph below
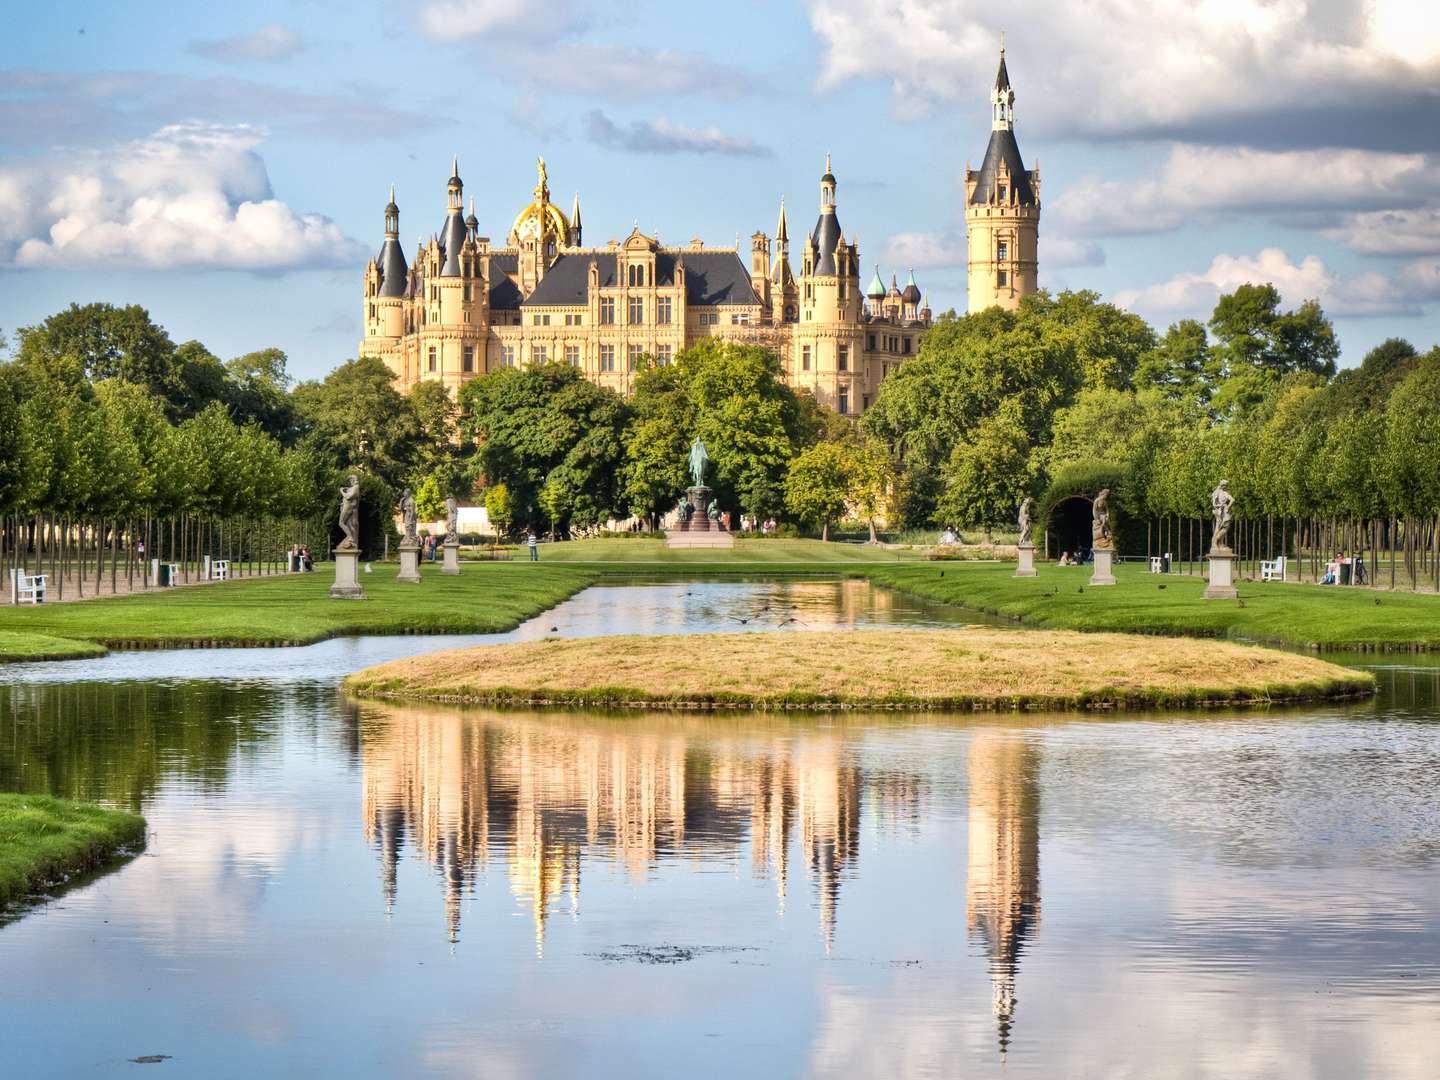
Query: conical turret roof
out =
(876, 290)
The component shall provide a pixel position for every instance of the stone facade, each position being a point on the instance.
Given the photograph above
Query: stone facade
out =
(462, 306)
(1002, 212)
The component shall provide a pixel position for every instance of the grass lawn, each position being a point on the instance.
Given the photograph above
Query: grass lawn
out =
(296, 609)
(970, 668)
(1308, 615)
(23, 645)
(43, 841)
(771, 557)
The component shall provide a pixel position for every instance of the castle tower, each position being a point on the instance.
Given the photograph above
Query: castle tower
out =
(386, 281)
(827, 355)
(452, 330)
(575, 232)
(760, 268)
(785, 294)
(1002, 211)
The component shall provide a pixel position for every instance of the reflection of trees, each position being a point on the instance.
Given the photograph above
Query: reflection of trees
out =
(545, 794)
(1002, 887)
(118, 741)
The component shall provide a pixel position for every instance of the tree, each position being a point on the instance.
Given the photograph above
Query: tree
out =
(360, 419)
(1181, 366)
(430, 499)
(987, 476)
(1254, 336)
(875, 486)
(258, 390)
(101, 341)
(499, 508)
(817, 485)
(654, 475)
(545, 420)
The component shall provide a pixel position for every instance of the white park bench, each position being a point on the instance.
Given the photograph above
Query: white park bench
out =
(29, 588)
(1157, 563)
(219, 569)
(1272, 569)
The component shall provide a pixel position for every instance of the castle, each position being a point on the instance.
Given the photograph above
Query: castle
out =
(463, 307)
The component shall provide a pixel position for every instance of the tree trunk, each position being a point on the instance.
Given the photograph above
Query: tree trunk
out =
(825, 531)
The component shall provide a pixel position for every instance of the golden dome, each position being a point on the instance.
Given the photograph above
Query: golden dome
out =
(541, 218)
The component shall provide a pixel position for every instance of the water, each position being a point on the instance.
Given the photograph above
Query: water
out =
(335, 888)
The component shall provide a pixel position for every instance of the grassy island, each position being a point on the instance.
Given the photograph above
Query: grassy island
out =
(45, 841)
(975, 668)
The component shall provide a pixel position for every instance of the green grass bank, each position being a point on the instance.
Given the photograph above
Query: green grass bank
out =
(45, 841)
(1310, 616)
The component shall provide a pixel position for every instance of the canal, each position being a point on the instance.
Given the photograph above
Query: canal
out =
(351, 888)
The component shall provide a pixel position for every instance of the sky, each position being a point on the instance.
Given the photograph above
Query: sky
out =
(226, 165)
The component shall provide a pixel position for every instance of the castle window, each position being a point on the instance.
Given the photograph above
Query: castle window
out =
(1002, 250)
(906, 350)
(805, 357)
(870, 343)
(467, 292)
(636, 312)
(662, 311)
(884, 371)
(432, 358)
(844, 402)
(632, 356)
(664, 354)
(467, 362)
(789, 312)
(1000, 191)
(864, 402)
(573, 320)
(607, 310)
(507, 356)
(844, 358)
(572, 355)
(539, 354)
(1001, 277)
(607, 357)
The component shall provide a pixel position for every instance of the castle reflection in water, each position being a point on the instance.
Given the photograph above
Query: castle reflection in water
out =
(546, 796)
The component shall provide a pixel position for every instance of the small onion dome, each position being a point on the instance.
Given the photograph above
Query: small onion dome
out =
(911, 295)
(829, 177)
(876, 291)
(454, 183)
(471, 221)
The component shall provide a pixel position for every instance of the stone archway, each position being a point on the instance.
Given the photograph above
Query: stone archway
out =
(1069, 525)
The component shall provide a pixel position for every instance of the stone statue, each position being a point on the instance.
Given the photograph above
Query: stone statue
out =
(1100, 526)
(698, 460)
(452, 514)
(686, 511)
(408, 517)
(714, 512)
(1220, 503)
(543, 185)
(1025, 526)
(350, 514)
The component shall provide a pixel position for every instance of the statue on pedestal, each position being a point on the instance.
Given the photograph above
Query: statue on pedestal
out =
(452, 514)
(1220, 503)
(1025, 525)
(409, 518)
(1101, 536)
(698, 460)
(350, 514)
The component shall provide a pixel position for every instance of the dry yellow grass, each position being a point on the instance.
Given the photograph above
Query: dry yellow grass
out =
(971, 668)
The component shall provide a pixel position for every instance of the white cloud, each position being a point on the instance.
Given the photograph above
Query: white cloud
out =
(189, 196)
(451, 20)
(269, 44)
(623, 73)
(1391, 232)
(663, 137)
(1364, 72)
(1200, 181)
(1191, 293)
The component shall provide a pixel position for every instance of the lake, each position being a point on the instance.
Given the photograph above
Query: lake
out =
(364, 889)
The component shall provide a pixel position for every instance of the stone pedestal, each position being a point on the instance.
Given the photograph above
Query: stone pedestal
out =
(452, 557)
(409, 564)
(1027, 561)
(699, 531)
(347, 579)
(1222, 575)
(1103, 574)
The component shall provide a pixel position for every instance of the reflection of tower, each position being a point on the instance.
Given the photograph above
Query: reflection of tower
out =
(827, 794)
(1002, 889)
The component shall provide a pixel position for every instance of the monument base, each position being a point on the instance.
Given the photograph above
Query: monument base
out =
(1103, 573)
(347, 579)
(1222, 575)
(451, 565)
(708, 538)
(1027, 561)
(699, 531)
(409, 564)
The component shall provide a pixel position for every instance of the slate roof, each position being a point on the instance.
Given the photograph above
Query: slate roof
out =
(452, 239)
(711, 277)
(825, 237)
(1003, 147)
(504, 293)
(393, 270)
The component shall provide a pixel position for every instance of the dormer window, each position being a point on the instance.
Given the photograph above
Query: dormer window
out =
(1002, 250)
(1000, 191)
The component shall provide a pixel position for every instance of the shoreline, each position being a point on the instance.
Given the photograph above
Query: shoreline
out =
(45, 842)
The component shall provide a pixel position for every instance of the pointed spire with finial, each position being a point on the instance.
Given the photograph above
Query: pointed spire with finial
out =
(782, 234)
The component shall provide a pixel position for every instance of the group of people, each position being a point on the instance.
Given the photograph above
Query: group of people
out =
(300, 559)
(1074, 558)
(752, 523)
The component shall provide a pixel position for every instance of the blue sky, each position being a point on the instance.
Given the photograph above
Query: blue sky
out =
(226, 165)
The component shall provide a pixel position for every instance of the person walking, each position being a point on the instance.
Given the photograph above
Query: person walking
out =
(534, 546)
